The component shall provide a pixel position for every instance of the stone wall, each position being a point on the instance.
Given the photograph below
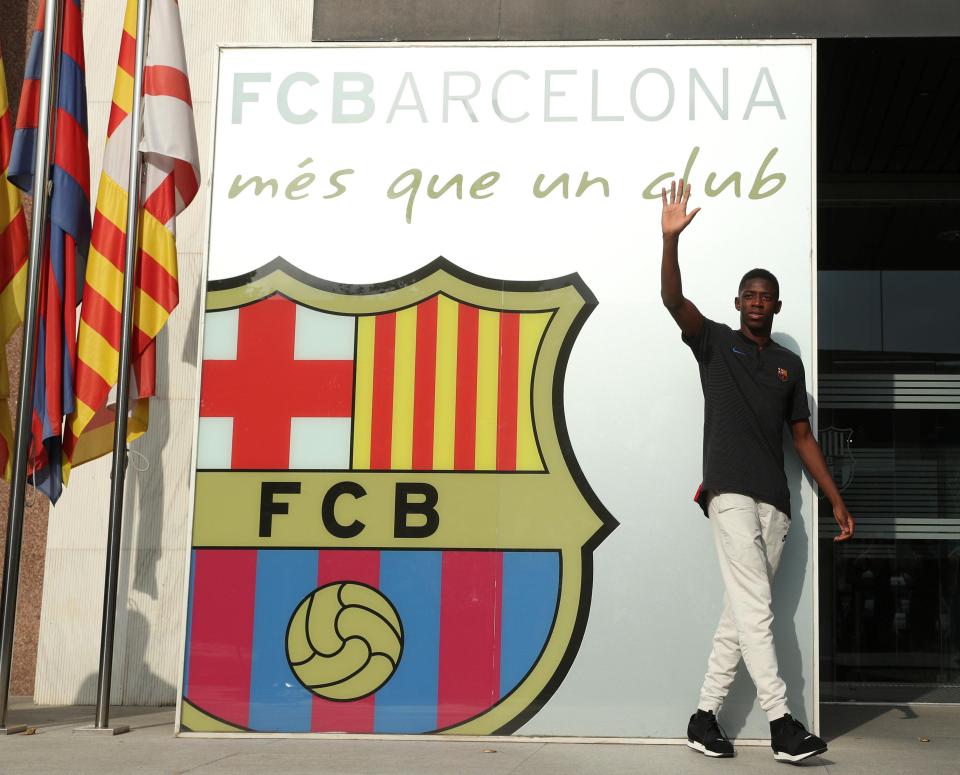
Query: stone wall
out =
(15, 33)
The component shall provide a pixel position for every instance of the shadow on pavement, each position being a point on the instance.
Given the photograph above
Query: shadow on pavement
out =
(23, 711)
(837, 720)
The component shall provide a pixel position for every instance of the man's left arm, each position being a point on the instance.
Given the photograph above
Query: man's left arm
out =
(809, 451)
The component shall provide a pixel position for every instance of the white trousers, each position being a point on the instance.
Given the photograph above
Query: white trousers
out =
(749, 536)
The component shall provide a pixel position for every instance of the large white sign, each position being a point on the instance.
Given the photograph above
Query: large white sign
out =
(361, 164)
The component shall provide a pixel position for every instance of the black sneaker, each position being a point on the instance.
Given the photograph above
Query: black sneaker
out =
(705, 735)
(791, 742)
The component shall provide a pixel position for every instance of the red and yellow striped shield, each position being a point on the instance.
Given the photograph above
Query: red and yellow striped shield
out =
(391, 530)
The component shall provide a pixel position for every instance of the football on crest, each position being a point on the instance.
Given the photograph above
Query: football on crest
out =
(344, 641)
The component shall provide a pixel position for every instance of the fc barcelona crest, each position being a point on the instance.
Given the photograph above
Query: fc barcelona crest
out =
(391, 531)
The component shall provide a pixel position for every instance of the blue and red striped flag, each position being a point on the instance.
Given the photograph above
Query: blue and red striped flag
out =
(65, 250)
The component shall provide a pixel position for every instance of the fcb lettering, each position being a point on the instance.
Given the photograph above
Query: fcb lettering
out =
(403, 508)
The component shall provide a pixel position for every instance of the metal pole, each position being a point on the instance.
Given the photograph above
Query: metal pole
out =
(119, 464)
(38, 232)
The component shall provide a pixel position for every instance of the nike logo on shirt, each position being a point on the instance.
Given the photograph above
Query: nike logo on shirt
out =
(739, 352)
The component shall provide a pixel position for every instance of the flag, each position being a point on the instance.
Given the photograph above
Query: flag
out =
(170, 182)
(68, 237)
(14, 246)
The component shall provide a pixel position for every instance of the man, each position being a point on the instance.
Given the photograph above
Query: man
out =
(751, 387)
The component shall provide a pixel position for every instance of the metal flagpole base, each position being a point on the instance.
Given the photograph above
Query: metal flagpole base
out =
(90, 729)
(13, 729)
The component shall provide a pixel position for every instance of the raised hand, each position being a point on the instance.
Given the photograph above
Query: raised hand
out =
(675, 217)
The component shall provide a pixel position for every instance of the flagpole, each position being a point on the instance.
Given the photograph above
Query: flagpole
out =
(119, 462)
(18, 482)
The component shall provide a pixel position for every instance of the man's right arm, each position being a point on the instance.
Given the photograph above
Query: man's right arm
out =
(674, 220)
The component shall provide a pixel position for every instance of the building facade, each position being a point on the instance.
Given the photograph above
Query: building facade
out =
(888, 179)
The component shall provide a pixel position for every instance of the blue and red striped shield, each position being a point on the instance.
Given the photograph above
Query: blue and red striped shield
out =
(391, 532)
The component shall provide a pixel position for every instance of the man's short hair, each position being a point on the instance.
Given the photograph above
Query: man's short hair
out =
(760, 274)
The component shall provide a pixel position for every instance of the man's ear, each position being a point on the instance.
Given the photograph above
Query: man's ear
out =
(736, 303)
(777, 310)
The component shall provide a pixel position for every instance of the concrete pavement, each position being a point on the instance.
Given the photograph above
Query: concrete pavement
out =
(871, 740)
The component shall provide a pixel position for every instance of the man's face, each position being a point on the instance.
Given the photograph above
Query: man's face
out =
(757, 303)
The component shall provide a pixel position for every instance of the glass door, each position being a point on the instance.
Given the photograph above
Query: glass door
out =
(889, 363)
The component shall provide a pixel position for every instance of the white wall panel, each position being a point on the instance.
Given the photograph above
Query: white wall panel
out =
(149, 617)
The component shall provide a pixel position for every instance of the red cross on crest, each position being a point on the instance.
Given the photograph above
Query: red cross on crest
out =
(265, 386)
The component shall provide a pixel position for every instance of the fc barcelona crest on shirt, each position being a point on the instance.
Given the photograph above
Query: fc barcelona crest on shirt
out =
(391, 532)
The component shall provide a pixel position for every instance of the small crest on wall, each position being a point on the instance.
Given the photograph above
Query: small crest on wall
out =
(836, 444)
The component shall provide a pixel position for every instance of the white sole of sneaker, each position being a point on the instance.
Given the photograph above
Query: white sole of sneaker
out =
(703, 749)
(780, 756)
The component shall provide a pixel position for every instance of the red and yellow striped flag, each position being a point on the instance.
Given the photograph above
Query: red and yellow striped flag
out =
(170, 182)
(14, 247)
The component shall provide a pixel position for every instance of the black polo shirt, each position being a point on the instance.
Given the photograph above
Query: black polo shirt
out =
(749, 392)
